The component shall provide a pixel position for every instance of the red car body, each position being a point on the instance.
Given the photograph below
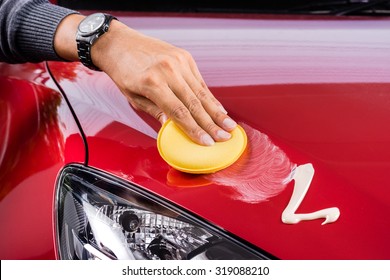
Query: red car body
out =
(318, 87)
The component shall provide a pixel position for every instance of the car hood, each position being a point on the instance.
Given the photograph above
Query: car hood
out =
(307, 91)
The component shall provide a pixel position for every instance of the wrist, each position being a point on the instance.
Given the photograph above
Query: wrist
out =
(64, 39)
(90, 30)
(105, 49)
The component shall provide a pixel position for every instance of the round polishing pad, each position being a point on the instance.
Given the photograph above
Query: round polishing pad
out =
(180, 152)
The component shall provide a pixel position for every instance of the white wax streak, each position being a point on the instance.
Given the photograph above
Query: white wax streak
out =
(264, 171)
(303, 175)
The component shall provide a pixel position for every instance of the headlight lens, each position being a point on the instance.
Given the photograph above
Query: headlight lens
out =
(102, 217)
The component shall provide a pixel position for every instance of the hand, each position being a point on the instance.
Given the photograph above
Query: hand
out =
(162, 80)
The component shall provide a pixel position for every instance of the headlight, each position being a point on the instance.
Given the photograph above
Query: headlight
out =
(102, 217)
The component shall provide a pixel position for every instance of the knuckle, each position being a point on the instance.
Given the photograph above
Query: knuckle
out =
(127, 85)
(218, 115)
(194, 105)
(210, 126)
(150, 80)
(181, 56)
(159, 115)
(136, 102)
(202, 93)
(185, 55)
(203, 84)
(195, 132)
(166, 63)
(133, 102)
(179, 112)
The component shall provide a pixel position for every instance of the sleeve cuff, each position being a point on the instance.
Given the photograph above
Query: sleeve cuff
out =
(37, 26)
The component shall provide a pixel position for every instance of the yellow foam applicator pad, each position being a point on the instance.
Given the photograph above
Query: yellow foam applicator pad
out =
(180, 152)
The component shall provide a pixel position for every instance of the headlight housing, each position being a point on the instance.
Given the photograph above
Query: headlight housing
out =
(99, 216)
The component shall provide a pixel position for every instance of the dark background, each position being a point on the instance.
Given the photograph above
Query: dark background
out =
(329, 7)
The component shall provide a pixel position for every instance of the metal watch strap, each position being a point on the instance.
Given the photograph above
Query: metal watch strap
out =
(84, 45)
(84, 52)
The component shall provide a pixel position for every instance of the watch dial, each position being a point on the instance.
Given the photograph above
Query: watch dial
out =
(91, 23)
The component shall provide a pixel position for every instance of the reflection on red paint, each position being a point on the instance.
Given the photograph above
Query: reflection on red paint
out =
(38, 136)
(178, 178)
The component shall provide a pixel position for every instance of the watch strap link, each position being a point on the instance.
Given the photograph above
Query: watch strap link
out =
(84, 52)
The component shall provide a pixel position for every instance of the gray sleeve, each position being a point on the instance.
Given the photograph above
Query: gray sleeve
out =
(27, 30)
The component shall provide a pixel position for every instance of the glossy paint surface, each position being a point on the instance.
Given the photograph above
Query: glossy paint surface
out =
(38, 136)
(319, 89)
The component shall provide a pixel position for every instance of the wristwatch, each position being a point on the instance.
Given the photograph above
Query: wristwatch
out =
(89, 30)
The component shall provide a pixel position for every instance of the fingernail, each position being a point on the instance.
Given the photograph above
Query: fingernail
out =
(223, 134)
(207, 140)
(223, 109)
(163, 118)
(229, 123)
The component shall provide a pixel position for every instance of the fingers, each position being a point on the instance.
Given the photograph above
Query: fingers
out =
(194, 103)
(177, 111)
(185, 98)
(164, 81)
(181, 115)
(196, 73)
(142, 103)
(211, 105)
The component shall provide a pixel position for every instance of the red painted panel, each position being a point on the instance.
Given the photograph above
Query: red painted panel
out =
(318, 88)
(38, 137)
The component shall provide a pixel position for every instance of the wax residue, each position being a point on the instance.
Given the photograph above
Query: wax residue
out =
(263, 171)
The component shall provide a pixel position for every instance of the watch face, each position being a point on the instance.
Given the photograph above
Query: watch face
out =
(91, 23)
